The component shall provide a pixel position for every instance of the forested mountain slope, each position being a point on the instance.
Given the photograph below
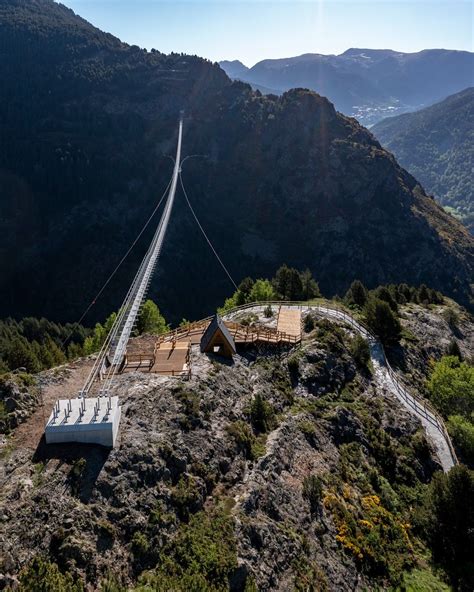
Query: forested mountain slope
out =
(85, 131)
(436, 145)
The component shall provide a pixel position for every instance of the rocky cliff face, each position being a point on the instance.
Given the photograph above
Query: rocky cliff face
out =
(312, 486)
(89, 123)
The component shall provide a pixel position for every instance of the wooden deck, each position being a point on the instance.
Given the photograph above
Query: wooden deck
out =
(172, 358)
(169, 354)
(289, 322)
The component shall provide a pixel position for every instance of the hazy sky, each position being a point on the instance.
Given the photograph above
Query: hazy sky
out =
(252, 30)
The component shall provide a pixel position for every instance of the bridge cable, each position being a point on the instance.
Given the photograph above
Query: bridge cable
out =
(109, 279)
(205, 235)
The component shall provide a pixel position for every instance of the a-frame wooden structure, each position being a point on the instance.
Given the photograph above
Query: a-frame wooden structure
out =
(217, 339)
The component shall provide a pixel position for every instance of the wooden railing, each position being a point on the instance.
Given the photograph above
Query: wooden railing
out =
(420, 406)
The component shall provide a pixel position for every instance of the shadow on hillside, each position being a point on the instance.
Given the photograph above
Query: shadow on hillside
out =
(82, 476)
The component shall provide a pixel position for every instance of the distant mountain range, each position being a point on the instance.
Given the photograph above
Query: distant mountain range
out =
(436, 145)
(368, 84)
(86, 125)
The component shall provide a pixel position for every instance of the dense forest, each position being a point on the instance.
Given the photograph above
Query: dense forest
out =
(85, 136)
(436, 145)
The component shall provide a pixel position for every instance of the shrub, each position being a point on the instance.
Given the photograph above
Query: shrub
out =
(42, 576)
(262, 414)
(451, 317)
(186, 497)
(140, 546)
(262, 290)
(294, 364)
(307, 428)
(76, 474)
(201, 557)
(308, 323)
(383, 293)
(462, 432)
(268, 312)
(150, 320)
(450, 524)
(382, 320)
(360, 350)
(246, 441)
(312, 491)
(291, 284)
(451, 387)
(453, 349)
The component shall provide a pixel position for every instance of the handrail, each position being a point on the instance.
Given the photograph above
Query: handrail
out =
(420, 405)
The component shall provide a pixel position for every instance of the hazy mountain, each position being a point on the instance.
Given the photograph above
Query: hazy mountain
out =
(436, 145)
(234, 68)
(370, 84)
(85, 129)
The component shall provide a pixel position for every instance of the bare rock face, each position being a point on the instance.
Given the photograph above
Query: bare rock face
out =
(429, 331)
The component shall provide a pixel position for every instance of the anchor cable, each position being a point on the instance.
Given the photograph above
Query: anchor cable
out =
(109, 279)
(204, 233)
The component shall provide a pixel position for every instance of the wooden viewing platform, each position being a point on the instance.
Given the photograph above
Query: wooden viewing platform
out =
(169, 354)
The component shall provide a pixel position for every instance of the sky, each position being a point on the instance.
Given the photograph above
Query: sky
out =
(253, 30)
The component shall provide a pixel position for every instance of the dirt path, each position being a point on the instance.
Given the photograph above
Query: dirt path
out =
(60, 383)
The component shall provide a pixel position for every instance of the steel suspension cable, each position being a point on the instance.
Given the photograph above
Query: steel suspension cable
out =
(205, 235)
(109, 279)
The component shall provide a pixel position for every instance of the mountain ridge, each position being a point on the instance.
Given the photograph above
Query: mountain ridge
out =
(370, 84)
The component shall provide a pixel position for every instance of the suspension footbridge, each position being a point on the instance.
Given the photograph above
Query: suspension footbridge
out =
(95, 419)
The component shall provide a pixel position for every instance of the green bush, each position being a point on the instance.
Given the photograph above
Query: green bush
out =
(262, 414)
(150, 319)
(382, 320)
(186, 497)
(251, 446)
(42, 576)
(312, 491)
(360, 350)
(200, 558)
(140, 546)
(383, 293)
(76, 474)
(451, 387)
(462, 432)
(268, 312)
(453, 349)
(308, 323)
(451, 317)
(450, 524)
(356, 294)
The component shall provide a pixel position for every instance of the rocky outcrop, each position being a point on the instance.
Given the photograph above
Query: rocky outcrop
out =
(17, 402)
(338, 452)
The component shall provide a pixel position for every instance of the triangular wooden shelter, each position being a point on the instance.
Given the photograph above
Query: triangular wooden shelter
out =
(217, 339)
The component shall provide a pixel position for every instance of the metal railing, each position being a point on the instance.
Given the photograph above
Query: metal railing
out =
(420, 406)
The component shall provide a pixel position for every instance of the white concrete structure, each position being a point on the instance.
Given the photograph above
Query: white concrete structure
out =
(89, 421)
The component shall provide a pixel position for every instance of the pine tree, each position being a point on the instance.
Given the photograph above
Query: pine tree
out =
(150, 320)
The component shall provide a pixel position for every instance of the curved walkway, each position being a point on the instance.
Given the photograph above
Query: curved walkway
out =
(384, 375)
